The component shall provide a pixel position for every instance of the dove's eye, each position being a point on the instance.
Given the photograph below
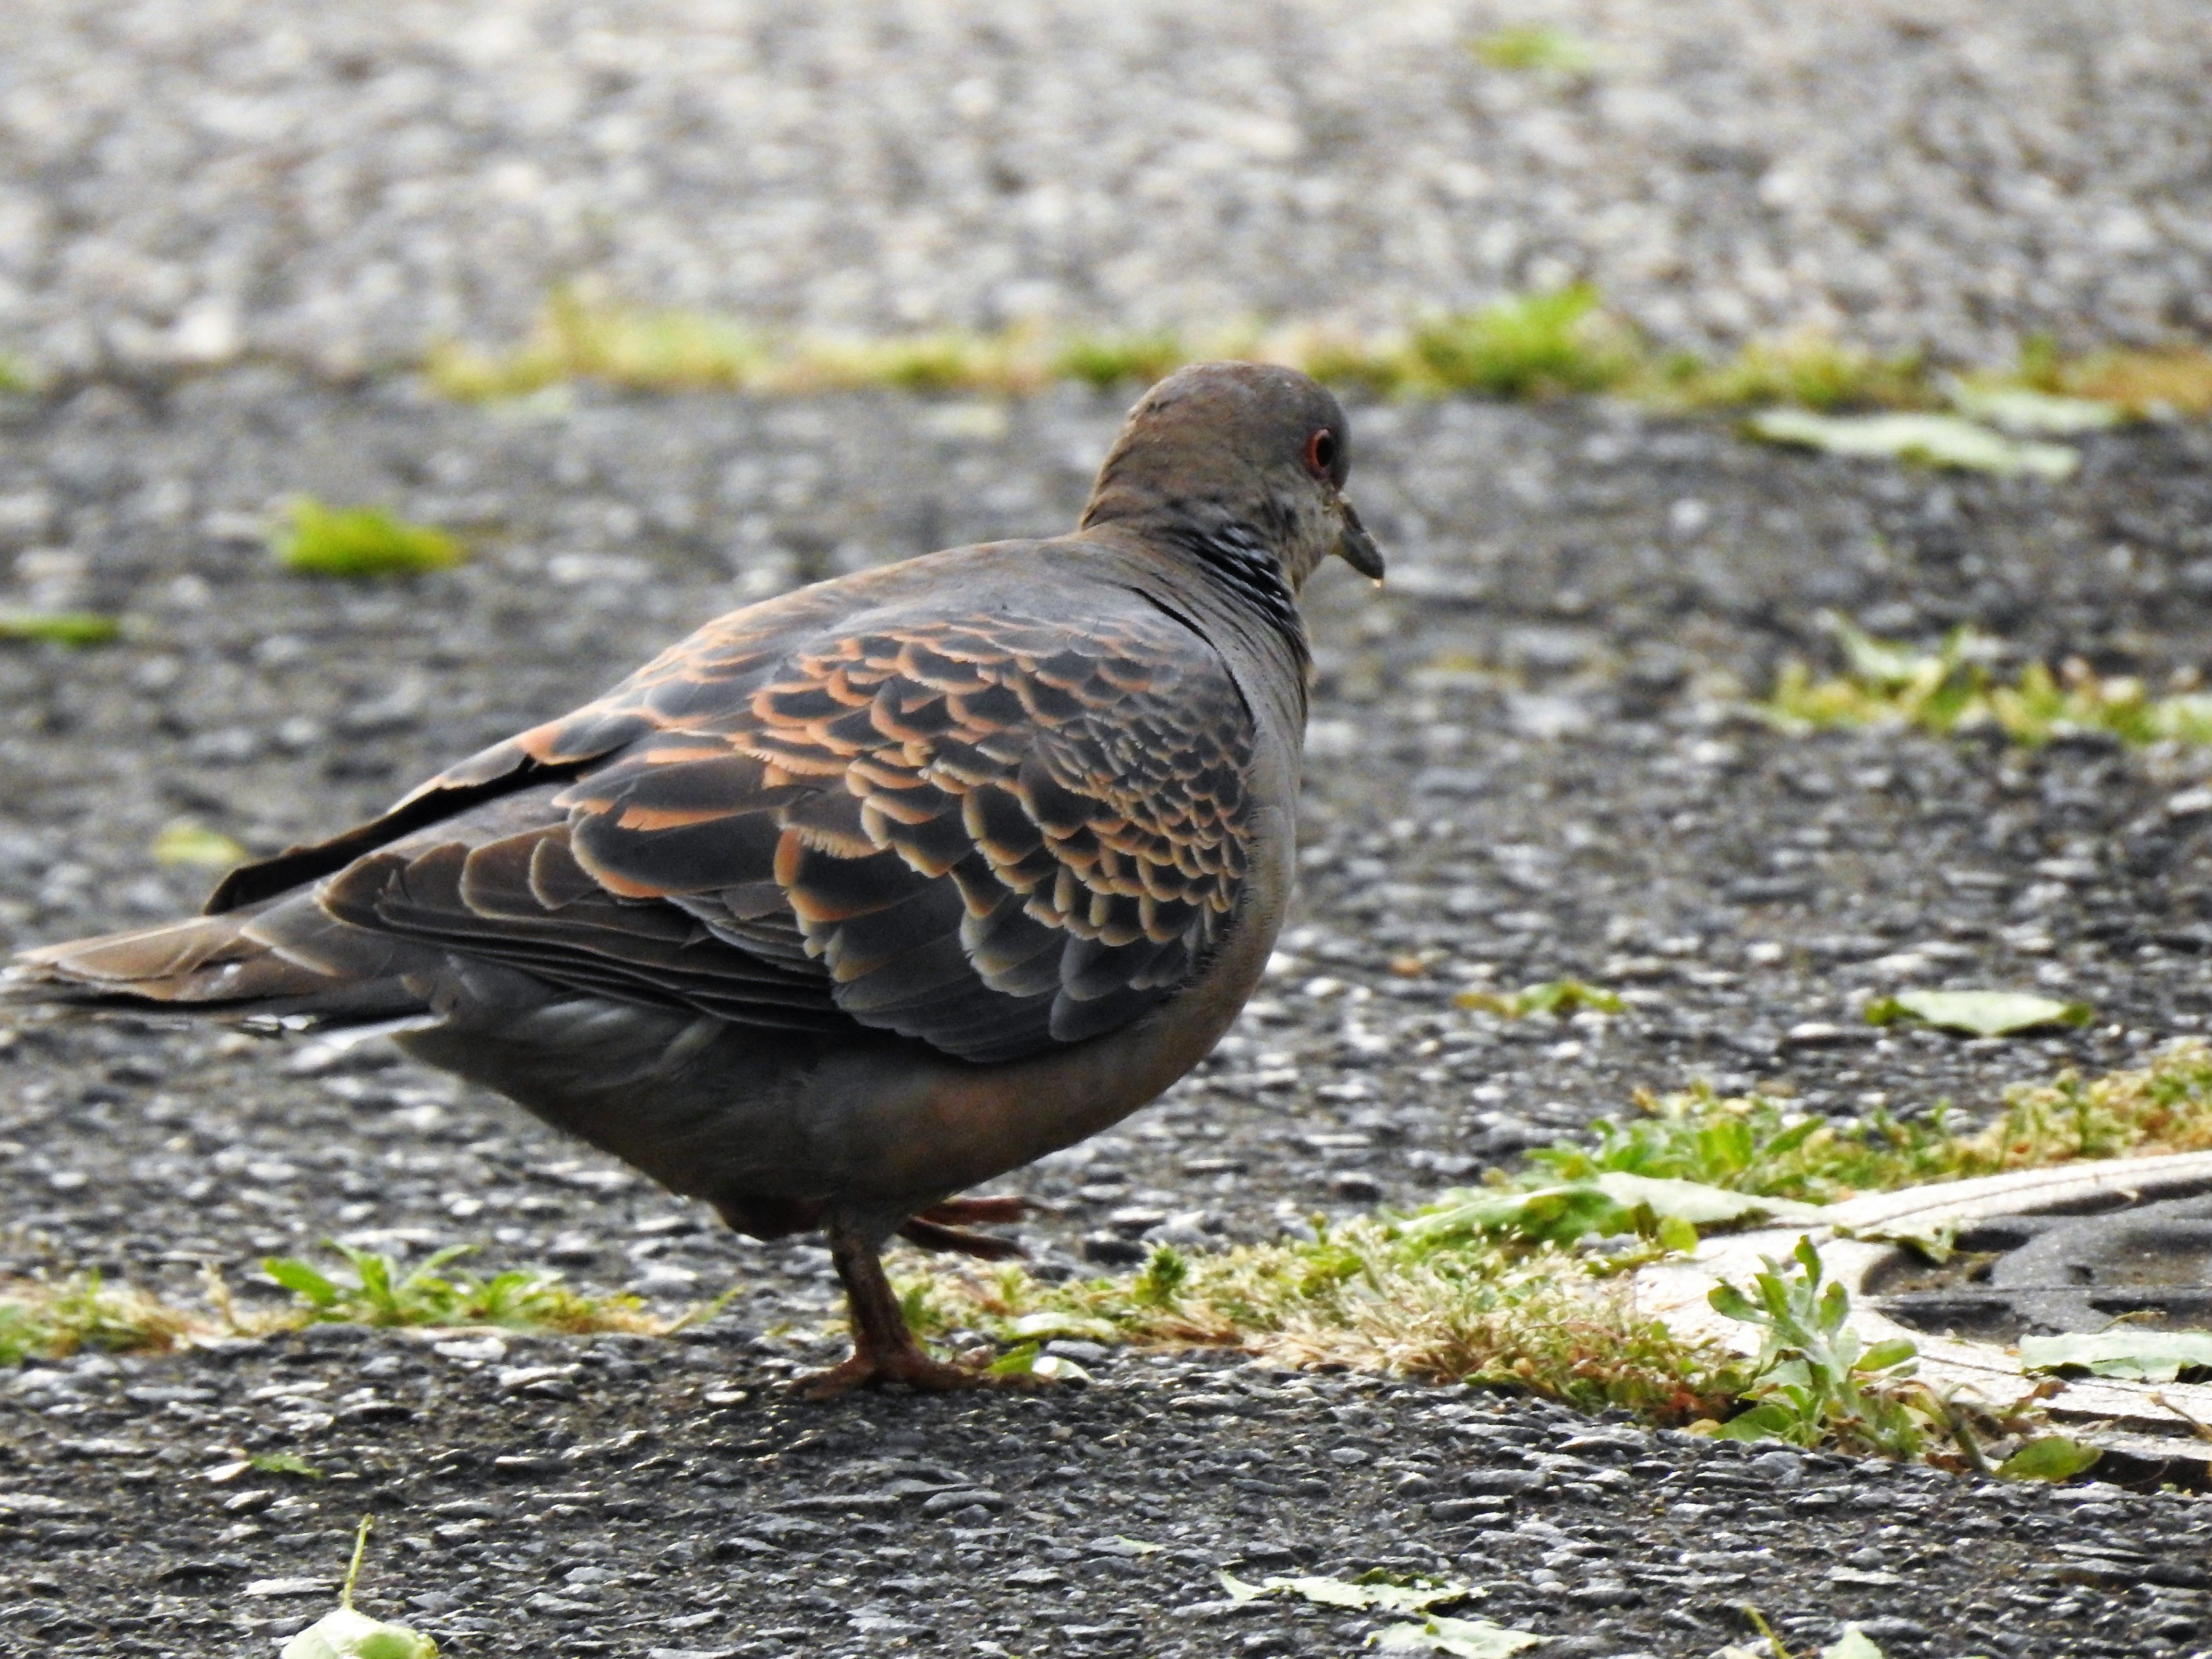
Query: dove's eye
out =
(1321, 454)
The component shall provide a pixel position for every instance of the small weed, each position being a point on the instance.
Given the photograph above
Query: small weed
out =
(1556, 996)
(382, 1291)
(40, 1319)
(70, 628)
(358, 543)
(1953, 689)
(1530, 48)
(1529, 345)
(1162, 1281)
(1815, 1383)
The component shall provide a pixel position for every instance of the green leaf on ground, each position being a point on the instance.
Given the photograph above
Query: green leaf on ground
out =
(1536, 48)
(1853, 1643)
(2125, 1351)
(360, 542)
(1553, 996)
(284, 1463)
(1343, 1593)
(1463, 1639)
(2050, 1457)
(73, 628)
(1979, 1013)
(1936, 1240)
(342, 1633)
(2017, 409)
(1054, 1323)
(1612, 1201)
(184, 843)
(1931, 440)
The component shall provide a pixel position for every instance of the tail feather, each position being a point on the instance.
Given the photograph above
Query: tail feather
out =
(277, 962)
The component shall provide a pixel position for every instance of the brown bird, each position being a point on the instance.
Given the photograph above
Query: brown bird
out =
(861, 895)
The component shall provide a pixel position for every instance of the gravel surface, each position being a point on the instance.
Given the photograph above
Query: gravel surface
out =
(1524, 765)
(339, 184)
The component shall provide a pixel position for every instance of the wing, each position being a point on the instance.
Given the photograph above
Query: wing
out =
(993, 832)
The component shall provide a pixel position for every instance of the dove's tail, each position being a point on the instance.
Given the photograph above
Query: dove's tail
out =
(284, 960)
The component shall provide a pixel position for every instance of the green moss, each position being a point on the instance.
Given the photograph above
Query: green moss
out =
(359, 543)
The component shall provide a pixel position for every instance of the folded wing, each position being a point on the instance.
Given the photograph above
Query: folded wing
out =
(994, 833)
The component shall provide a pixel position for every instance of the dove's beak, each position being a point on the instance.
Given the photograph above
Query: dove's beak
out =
(1356, 546)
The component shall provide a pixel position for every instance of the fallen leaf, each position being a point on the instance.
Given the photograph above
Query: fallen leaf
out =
(1614, 1201)
(1979, 1013)
(2050, 1457)
(1936, 1240)
(1065, 1324)
(189, 843)
(342, 1633)
(2016, 408)
(2125, 1351)
(1853, 1643)
(59, 626)
(1463, 1639)
(1342, 1592)
(1933, 440)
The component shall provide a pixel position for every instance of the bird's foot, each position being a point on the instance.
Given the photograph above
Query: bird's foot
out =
(910, 1365)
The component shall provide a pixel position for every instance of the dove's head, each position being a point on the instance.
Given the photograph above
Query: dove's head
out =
(1237, 460)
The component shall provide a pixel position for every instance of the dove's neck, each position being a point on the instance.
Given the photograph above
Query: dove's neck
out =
(1238, 559)
(1226, 586)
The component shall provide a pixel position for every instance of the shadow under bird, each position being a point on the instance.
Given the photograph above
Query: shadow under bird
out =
(861, 895)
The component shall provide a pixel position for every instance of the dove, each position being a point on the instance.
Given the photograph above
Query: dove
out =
(861, 895)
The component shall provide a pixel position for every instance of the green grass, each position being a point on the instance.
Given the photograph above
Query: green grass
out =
(1530, 345)
(1754, 1143)
(1538, 345)
(43, 1318)
(50, 1319)
(1491, 1306)
(1370, 1295)
(1952, 688)
(359, 543)
(1806, 371)
(70, 628)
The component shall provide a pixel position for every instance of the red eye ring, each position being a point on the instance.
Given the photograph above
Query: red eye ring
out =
(1321, 454)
